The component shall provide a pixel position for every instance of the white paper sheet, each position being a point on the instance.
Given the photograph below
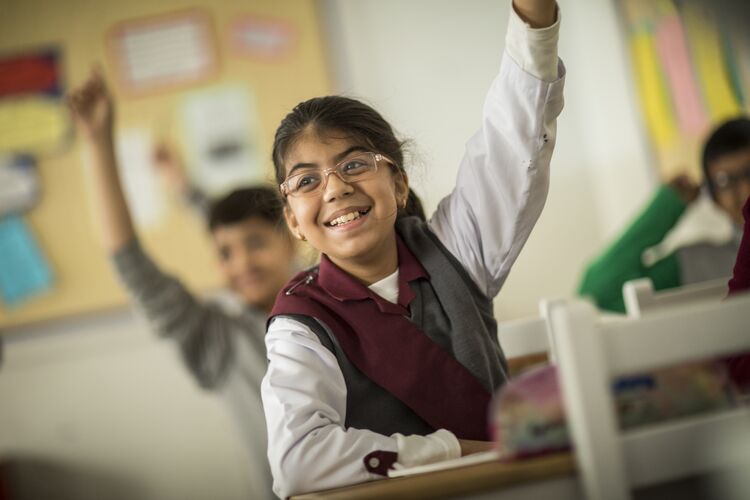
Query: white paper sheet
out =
(220, 128)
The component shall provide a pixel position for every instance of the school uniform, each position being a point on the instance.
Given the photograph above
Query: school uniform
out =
(741, 277)
(361, 378)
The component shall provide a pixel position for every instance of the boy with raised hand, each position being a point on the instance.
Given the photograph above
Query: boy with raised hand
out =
(223, 350)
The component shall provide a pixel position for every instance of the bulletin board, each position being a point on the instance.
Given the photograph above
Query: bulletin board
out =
(269, 51)
(691, 68)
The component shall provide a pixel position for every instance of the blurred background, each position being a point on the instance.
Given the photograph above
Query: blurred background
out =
(85, 389)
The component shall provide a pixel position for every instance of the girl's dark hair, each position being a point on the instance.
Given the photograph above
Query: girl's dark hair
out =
(263, 202)
(360, 122)
(730, 137)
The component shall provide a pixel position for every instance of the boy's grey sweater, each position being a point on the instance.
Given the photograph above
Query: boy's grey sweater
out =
(224, 351)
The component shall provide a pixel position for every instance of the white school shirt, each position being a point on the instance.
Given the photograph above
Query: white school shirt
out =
(501, 188)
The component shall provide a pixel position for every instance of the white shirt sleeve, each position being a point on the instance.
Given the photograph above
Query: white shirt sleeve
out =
(503, 178)
(304, 399)
(533, 50)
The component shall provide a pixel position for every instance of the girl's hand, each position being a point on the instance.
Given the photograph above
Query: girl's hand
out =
(469, 446)
(538, 13)
(92, 108)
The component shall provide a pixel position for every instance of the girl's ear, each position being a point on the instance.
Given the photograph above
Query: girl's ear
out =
(291, 220)
(402, 188)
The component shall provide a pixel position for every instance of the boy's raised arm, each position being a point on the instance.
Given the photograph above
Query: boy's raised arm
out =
(93, 114)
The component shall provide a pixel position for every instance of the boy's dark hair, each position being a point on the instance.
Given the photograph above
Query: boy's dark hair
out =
(357, 120)
(729, 137)
(263, 202)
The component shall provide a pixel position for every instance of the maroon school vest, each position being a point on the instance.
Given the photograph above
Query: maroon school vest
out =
(378, 338)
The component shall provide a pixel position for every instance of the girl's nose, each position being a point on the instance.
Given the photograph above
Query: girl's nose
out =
(335, 187)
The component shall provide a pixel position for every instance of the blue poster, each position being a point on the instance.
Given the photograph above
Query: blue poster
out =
(24, 271)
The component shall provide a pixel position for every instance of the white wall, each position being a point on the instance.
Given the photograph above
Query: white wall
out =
(426, 64)
(112, 405)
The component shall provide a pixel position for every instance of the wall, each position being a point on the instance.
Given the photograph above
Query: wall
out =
(111, 406)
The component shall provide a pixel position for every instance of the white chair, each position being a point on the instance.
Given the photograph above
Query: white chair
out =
(591, 352)
(527, 336)
(640, 297)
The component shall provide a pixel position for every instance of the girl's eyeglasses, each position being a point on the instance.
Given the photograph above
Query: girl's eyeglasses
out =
(359, 167)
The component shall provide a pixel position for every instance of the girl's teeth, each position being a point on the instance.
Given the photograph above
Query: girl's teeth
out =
(345, 218)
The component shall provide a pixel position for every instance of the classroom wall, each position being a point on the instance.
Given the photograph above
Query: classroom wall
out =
(102, 393)
(426, 64)
(97, 407)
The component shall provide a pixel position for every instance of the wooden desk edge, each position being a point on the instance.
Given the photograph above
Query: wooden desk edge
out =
(460, 481)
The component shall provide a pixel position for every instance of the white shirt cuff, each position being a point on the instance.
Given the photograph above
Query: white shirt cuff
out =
(533, 50)
(421, 450)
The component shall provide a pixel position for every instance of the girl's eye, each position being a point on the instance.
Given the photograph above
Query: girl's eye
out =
(307, 182)
(355, 167)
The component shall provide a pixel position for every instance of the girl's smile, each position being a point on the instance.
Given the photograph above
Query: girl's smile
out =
(348, 218)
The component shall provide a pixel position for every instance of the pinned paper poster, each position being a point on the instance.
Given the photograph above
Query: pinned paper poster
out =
(37, 124)
(705, 45)
(24, 271)
(19, 184)
(33, 116)
(675, 58)
(35, 72)
(220, 133)
(260, 38)
(162, 52)
(135, 150)
(654, 99)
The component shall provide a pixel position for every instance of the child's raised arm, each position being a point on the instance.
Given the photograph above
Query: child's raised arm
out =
(93, 114)
(538, 13)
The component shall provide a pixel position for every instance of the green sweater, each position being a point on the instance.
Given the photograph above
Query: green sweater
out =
(621, 262)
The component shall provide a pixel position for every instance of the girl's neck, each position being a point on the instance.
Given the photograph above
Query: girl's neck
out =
(379, 263)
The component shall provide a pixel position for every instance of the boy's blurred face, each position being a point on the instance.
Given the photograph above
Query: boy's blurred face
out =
(256, 259)
(730, 175)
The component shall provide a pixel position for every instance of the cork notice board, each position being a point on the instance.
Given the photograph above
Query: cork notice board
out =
(272, 49)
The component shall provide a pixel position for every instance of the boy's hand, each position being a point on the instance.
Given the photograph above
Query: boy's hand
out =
(92, 108)
(170, 165)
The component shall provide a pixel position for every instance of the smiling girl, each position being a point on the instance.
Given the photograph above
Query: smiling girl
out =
(386, 354)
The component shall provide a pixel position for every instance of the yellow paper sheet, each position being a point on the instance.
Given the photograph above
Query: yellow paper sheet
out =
(32, 124)
(655, 102)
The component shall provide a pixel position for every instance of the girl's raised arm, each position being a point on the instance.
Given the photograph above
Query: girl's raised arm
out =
(538, 13)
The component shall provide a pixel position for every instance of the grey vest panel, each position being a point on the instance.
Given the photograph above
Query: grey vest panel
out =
(464, 322)
(704, 262)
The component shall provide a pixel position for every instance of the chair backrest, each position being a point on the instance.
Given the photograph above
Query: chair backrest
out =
(527, 336)
(591, 352)
(640, 297)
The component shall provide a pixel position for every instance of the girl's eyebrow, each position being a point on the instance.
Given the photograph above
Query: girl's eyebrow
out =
(336, 159)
